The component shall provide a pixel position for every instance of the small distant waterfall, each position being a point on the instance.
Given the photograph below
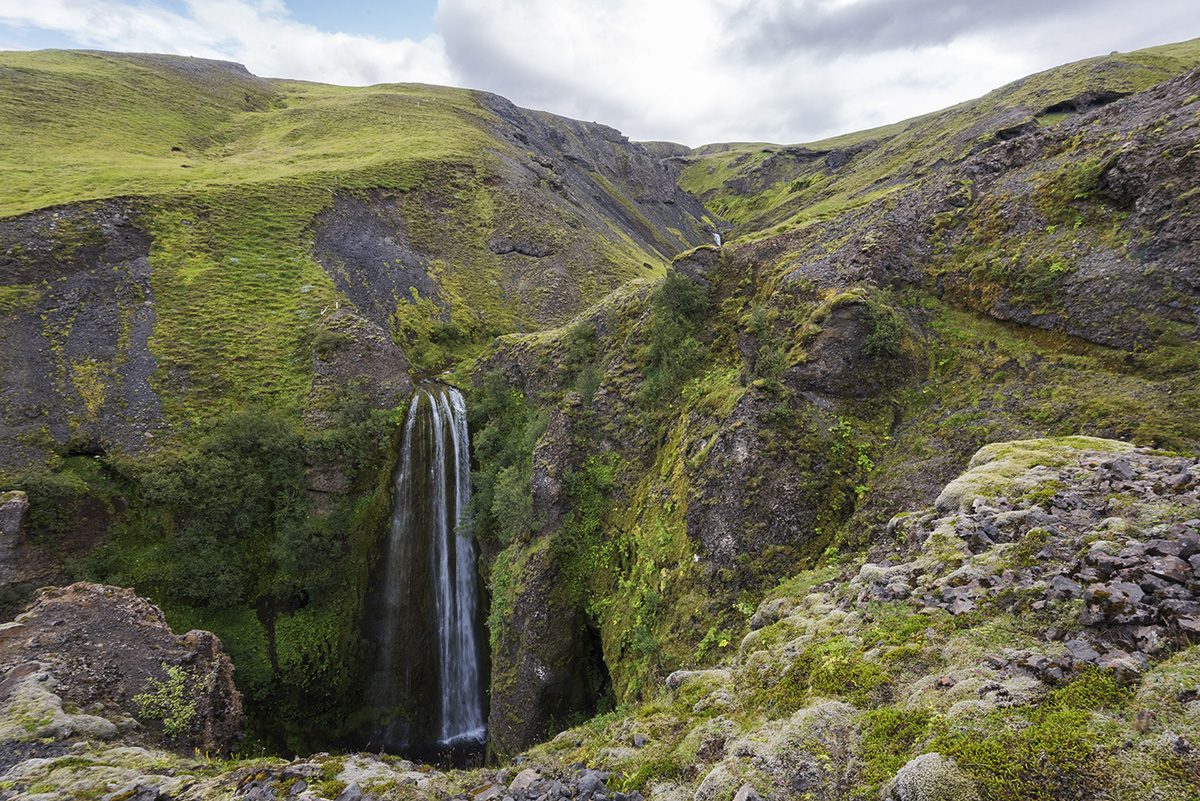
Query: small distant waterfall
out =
(427, 683)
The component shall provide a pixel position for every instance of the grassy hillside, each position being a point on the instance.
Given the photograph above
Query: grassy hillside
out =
(670, 462)
(215, 290)
(769, 188)
(242, 188)
(82, 126)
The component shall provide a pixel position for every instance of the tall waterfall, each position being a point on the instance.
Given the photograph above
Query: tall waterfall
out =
(427, 682)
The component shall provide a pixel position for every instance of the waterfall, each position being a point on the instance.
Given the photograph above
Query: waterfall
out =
(427, 681)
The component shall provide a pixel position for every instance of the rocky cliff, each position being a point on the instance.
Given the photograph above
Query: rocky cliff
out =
(744, 508)
(1025, 636)
(89, 661)
(840, 370)
(209, 330)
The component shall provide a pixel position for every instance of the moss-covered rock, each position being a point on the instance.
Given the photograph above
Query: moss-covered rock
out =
(1010, 468)
(931, 777)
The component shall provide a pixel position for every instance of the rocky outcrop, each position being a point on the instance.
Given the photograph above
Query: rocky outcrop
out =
(364, 246)
(539, 667)
(1138, 590)
(1014, 611)
(14, 509)
(99, 661)
(351, 354)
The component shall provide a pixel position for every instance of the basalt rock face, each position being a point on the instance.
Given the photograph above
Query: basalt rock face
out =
(75, 362)
(79, 658)
(540, 667)
(855, 366)
(353, 354)
(365, 246)
(1103, 201)
(560, 204)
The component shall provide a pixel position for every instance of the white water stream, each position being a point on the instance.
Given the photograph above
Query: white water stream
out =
(433, 616)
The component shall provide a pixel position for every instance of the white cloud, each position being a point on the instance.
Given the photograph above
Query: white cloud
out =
(688, 70)
(261, 35)
(777, 70)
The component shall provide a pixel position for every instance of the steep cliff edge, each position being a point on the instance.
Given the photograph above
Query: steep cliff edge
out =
(215, 290)
(210, 370)
(190, 261)
(685, 461)
(1027, 636)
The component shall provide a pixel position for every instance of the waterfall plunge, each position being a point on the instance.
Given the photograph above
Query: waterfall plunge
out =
(427, 675)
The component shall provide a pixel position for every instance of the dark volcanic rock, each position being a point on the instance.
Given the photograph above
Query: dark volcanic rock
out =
(364, 245)
(75, 361)
(539, 670)
(357, 355)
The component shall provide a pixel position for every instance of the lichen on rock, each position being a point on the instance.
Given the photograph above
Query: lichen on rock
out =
(95, 648)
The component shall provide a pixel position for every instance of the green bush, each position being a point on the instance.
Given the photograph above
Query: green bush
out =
(230, 499)
(885, 333)
(671, 352)
(170, 701)
(505, 429)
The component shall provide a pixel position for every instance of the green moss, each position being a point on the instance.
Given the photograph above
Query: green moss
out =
(832, 669)
(769, 189)
(171, 700)
(1095, 689)
(1000, 468)
(661, 769)
(1049, 754)
(890, 738)
(19, 298)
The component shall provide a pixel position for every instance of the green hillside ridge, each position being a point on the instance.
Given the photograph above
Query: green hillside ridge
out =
(216, 290)
(768, 188)
(86, 126)
(719, 491)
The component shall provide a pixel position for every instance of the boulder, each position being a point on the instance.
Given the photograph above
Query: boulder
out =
(353, 352)
(931, 777)
(14, 509)
(109, 653)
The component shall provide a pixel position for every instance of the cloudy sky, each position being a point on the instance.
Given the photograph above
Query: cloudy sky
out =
(690, 71)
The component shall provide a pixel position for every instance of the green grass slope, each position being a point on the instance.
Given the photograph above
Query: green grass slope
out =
(768, 188)
(82, 126)
(184, 247)
(233, 178)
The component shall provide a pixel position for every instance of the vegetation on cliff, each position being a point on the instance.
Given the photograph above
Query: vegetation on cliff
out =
(714, 485)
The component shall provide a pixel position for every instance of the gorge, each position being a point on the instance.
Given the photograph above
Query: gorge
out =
(890, 484)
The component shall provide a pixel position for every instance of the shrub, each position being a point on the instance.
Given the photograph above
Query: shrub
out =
(505, 430)
(671, 351)
(170, 701)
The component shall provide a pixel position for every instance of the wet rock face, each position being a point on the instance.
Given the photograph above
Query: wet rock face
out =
(539, 669)
(718, 516)
(836, 365)
(354, 353)
(14, 509)
(96, 649)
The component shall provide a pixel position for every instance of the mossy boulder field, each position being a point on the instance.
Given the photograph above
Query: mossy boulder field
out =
(855, 469)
